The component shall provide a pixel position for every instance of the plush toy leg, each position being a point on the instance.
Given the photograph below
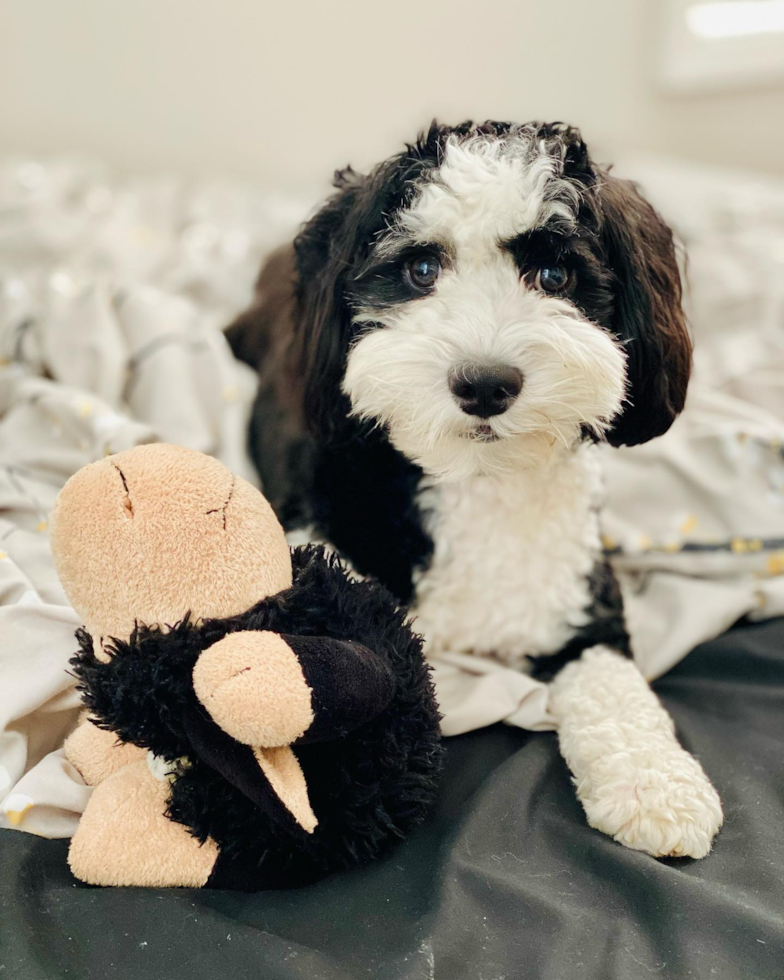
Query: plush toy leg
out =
(124, 838)
(635, 782)
(97, 753)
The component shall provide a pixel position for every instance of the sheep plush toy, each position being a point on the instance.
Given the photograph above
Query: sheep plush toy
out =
(255, 717)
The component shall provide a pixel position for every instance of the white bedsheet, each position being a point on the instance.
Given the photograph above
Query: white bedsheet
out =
(112, 293)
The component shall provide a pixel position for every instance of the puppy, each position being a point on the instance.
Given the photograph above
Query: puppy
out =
(439, 354)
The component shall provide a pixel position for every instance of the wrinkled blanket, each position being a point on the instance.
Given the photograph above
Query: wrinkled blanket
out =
(112, 295)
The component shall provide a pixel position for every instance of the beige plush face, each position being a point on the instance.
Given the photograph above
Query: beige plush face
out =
(157, 531)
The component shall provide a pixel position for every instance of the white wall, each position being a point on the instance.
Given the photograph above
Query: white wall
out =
(285, 91)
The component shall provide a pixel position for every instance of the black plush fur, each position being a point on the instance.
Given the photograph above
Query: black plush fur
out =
(367, 788)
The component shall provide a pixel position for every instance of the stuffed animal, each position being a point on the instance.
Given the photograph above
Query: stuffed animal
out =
(256, 718)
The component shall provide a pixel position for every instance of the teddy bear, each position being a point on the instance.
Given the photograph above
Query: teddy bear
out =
(255, 716)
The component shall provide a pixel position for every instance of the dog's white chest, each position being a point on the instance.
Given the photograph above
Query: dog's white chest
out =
(512, 557)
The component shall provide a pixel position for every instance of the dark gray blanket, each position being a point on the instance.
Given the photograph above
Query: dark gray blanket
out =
(505, 882)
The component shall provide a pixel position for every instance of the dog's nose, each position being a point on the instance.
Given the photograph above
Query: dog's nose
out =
(485, 391)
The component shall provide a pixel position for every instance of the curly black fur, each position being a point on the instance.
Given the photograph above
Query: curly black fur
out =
(367, 789)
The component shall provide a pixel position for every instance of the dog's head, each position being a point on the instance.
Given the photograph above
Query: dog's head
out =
(487, 295)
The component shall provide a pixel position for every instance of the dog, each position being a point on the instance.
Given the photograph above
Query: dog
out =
(439, 354)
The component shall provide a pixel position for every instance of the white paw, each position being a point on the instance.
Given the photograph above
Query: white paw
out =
(663, 804)
(634, 780)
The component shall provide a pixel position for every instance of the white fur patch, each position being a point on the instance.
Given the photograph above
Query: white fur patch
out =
(635, 782)
(509, 574)
(486, 191)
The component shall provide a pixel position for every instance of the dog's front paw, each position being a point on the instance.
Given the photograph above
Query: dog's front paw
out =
(663, 804)
(634, 780)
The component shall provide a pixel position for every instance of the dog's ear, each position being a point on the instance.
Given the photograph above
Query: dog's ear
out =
(256, 331)
(328, 249)
(325, 249)
(648, 316)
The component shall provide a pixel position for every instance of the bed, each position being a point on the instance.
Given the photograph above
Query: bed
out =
(112, 295)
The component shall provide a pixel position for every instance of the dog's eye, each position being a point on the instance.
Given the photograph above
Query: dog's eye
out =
(552, 278)
(423, 271)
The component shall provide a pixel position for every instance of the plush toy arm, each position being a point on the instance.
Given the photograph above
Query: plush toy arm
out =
(350, 685)
(265, 689)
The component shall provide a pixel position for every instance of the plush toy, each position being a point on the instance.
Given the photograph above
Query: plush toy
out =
(256, 718)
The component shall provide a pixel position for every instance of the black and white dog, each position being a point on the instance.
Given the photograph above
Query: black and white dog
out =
(438, 356)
